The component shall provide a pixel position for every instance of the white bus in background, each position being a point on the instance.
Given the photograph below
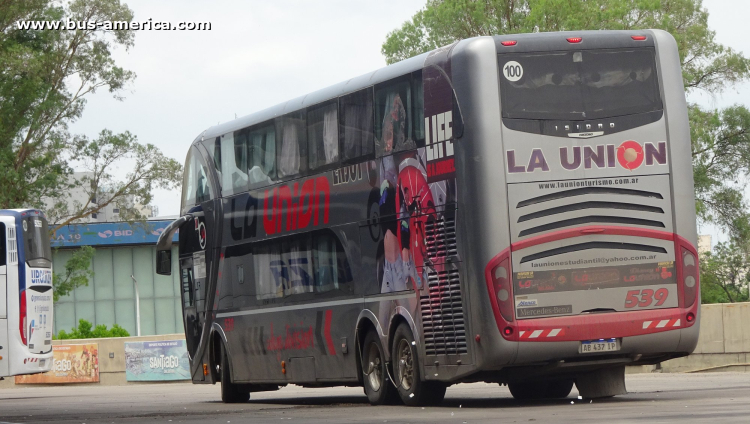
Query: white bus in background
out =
(25, 293)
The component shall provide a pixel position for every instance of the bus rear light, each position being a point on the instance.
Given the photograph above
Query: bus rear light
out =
(690, 317)
(508, 331)
(22, 317)
(638, 37)
(574, 39)
(501, 284)
(689, 277)
(509, 43)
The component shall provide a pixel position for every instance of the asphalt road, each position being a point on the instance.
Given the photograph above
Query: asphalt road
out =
(652, 398)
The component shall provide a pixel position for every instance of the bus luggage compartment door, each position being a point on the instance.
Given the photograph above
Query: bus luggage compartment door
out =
(3, 297)
(5, 351)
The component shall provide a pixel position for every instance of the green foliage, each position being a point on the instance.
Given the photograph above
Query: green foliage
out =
(84, 331)
(77, 273)
(45, 77)
(725, 274)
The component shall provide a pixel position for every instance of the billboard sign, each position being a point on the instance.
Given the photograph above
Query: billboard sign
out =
(109, 234)
(164, 360)
(76, 363)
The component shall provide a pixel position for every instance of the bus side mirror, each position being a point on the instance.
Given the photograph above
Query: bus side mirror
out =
(164, 262)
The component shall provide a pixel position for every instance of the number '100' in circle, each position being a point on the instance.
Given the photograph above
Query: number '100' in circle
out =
(513, 71)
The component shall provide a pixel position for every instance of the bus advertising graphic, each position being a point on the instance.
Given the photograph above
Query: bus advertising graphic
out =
(72, 363)
(163, 360)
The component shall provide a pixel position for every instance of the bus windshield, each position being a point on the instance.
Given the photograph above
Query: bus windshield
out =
(583, 84)
(36, 242)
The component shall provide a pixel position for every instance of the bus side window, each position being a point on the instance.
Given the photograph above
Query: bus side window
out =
(393, 115)
(355, 120)
(233, 156)
(418, 120)
(323, 135)
(261, 154)
(332, 270)
(196, 187)
(270, 275)
(3, 252)
(291, 137)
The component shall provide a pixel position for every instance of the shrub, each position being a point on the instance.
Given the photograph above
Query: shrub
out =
(84, 331)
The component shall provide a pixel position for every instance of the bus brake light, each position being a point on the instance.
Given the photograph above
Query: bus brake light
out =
(574, 39)
(638, 37)
(689, 276)
(22, 317)
(501, 284)
(509, 43)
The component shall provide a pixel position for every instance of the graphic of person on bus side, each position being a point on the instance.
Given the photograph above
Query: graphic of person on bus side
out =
(403, 188)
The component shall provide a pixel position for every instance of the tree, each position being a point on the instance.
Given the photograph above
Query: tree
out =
(720, 138)
(725, 274)
(45, 77)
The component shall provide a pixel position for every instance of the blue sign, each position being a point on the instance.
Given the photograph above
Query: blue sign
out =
(156, 361)
(109, 234)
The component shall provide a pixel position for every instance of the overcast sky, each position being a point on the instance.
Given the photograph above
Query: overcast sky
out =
(261, 53)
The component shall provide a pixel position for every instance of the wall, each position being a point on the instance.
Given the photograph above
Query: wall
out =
(111, 370)
(110, 298)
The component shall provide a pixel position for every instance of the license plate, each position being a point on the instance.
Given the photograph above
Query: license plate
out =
(597, 346)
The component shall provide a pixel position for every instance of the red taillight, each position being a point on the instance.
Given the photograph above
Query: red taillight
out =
(22, 317)
(638, 37)
(574, 39)
(690, 317)
(503, 292)
(508, 331)
(509, 43)
(689, 277)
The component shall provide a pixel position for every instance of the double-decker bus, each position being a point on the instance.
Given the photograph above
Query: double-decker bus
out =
(515, 209)
(25, 293)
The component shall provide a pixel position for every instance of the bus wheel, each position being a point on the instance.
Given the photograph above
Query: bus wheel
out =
(558, 389)
(230, 392)
(378, 388)
(411, 388)
(526, 391)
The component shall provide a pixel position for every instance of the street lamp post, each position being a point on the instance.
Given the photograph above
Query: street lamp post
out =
(137, 306)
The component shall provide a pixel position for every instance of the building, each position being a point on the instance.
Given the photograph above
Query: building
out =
(125, 256)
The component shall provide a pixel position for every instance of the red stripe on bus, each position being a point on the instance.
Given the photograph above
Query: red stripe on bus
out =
(327, 333)
(584, 231)
(603, 326)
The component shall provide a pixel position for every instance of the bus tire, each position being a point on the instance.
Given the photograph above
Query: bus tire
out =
(412, 389)
(230, 392)
(525, 390)
(558, 389)
(378, 387)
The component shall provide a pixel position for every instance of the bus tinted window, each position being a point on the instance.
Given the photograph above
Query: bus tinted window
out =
(393, 116)
(3, 251)
(323, 135)
(292, 152)
(418, 108)
(233, 156)
(300, 264)
(36, 241)
(196, 187)
(587, 84)
(261, 153)
(356, 125)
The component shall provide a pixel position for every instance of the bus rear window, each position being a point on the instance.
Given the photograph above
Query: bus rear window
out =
(576, 85)
(36, 242)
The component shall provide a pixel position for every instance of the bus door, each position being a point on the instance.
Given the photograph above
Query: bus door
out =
(190, 315)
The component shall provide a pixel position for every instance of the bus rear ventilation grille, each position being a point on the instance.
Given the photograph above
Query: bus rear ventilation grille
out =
(443, 316)
(440, 237)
